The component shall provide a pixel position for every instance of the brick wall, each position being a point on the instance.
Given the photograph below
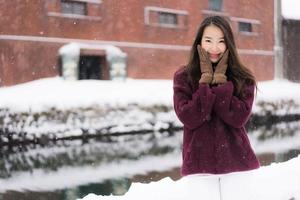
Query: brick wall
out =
(153, 51)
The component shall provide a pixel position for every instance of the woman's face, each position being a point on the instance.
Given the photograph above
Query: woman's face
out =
(213, 42)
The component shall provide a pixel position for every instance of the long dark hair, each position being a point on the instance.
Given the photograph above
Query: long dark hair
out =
(236, 71)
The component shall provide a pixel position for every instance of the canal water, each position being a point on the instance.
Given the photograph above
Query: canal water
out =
(72, 169)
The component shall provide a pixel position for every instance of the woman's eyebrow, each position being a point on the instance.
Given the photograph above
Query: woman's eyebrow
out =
(208, 37)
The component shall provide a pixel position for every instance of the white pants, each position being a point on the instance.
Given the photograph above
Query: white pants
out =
(220, 186)
(202, 186)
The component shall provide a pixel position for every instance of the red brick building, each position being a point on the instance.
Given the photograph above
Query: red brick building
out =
(155, 35)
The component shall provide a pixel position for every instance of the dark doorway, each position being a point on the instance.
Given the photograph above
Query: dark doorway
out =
(90, 67)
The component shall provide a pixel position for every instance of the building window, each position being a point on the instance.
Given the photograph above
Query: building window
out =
(167, 18)
(245, 27)
(73, 7)
(215, 5)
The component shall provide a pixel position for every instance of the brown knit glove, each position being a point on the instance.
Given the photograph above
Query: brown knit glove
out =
(205, 66)
(219, 73)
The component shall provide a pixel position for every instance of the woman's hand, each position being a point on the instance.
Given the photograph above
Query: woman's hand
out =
(219, 74)
(205, 66)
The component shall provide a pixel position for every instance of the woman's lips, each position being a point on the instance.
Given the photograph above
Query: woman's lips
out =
(214, 56)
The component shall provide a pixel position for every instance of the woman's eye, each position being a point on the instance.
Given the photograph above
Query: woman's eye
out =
(222, 41)
(207, 40)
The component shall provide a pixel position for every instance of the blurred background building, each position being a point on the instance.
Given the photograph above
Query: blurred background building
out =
(110, 39)
(290, 41)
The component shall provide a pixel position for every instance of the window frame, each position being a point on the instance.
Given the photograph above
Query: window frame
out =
(255, 25)
(55, 10)
(148, 10)
(167, 18)
(215, 5)
(73, 5)
(245, 27)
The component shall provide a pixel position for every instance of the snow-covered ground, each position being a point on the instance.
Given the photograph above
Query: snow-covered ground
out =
(47, 93)
(44, 94)
(69, 108)
(57, 108)
(274, 182)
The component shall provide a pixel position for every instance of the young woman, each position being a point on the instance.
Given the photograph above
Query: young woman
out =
(213, 97)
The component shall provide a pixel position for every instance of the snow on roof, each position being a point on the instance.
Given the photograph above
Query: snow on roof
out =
(290, 9)
(73, 49)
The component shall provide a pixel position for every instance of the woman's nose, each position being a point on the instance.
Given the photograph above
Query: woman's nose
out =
(214, 47)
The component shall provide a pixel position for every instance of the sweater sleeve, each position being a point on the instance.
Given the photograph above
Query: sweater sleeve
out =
(192, 109)
(233, 110)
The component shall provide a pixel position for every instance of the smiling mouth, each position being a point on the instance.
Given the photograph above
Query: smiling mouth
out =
(214, 56)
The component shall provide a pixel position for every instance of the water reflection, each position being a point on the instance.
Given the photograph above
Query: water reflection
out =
(108, 187)
(78, 153)
(278, 130)
(108, 165)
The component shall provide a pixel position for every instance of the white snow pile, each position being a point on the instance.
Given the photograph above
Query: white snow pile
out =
(73, 49)
(60, 108)
(44, 94)
(275, 182)
(290, 9)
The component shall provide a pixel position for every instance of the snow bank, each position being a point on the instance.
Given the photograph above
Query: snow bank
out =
(69, 108)
(53, 108)
(276, 182)
(55, 92)
(43, 94)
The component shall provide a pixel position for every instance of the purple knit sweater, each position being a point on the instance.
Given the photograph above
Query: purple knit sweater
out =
(215, 140)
